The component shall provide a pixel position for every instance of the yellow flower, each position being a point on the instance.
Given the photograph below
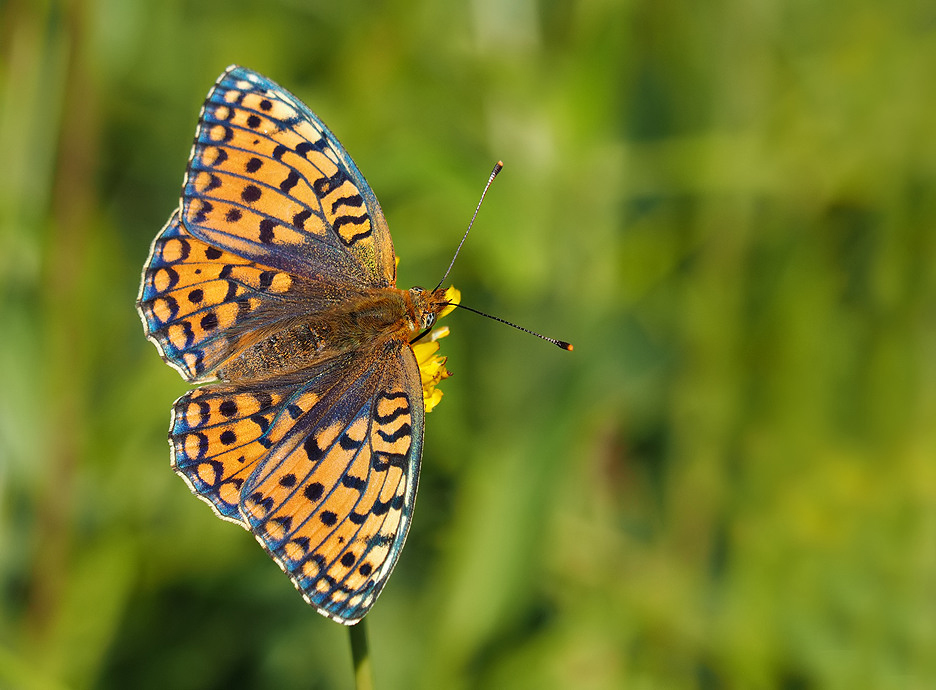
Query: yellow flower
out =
(454, 297)
(431, 365)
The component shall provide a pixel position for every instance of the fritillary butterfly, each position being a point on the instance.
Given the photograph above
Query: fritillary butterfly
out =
(275, 280)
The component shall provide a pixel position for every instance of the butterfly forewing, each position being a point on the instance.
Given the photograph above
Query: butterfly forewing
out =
(269, 182)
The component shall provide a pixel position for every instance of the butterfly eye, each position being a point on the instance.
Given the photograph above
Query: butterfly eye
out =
(428, 320)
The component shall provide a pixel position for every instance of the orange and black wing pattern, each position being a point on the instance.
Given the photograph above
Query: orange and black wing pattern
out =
(324, 475)
(277, 226)
(269, 182)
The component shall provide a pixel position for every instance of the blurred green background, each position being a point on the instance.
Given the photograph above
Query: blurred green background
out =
(727, 207)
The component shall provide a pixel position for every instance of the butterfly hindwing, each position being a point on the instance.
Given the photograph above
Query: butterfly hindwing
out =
(269, 182)
(332, 501)
(221, 433)
(324, 475)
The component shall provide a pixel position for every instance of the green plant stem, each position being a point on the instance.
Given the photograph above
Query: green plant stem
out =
(360, 656)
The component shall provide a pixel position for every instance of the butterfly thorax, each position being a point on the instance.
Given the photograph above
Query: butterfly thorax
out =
(357, 325)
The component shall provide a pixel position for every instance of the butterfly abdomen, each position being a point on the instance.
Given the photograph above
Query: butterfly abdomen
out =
(299, 344)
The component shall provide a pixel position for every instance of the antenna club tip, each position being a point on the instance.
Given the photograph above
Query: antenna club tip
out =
(564, 345)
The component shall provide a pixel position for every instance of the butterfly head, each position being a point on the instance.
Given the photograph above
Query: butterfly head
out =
(427, 306)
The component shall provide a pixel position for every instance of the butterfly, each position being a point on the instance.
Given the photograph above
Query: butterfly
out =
(273, 282)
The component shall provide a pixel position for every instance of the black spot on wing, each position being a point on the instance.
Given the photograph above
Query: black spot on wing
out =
(402, 409)
(381, 462)
(348, 443)
(313, 491)
(300, 218)
(351, 482)
(267, 226)
(323, 185)
(251, 193)
(292, 179)
(312, 450)
(402, 432)
(261, 422)
(354, 200)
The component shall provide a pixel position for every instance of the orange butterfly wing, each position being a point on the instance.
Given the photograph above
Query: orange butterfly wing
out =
(269, 182)
(325, 475)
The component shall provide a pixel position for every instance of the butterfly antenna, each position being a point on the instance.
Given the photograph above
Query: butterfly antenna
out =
(558, 343)
(497, 169)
